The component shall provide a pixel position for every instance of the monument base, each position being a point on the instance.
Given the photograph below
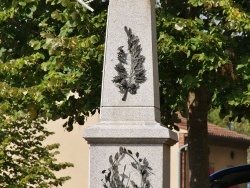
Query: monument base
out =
(129, 154)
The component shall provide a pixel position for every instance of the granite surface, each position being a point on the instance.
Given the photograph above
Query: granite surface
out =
(139, 16)
(133, 124)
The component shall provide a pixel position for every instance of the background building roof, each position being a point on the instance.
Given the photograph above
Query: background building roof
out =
(216, 131)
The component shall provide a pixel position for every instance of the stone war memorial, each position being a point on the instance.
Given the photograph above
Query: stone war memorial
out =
(129, 147)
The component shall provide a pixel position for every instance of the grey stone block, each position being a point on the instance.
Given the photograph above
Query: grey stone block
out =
(133, 124)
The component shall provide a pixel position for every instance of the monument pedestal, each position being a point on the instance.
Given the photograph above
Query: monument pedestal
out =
(149, 140)
(129, 148)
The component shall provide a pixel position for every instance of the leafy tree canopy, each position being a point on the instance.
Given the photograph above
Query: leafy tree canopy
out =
(205, 43)
(204, 60)
(54, 47)
(50, 49)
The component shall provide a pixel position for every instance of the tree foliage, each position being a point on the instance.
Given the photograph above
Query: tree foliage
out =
(51, 60)
(48, 50)
(240, 125)
(205, 43)
(204, 59)
(24, 160)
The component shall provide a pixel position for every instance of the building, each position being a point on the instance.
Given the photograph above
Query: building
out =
(226, 149)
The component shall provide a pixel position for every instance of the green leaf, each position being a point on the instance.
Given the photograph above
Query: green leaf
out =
(22, 3)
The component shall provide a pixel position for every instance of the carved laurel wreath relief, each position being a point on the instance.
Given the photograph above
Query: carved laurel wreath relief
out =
(130, 69)
(127, 175)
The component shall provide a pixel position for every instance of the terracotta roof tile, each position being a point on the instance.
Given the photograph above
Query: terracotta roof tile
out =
(214, 130)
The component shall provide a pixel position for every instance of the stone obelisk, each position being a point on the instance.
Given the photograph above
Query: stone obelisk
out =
(129, 147)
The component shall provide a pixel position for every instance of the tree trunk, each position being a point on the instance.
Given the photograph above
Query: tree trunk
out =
(197, 138)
